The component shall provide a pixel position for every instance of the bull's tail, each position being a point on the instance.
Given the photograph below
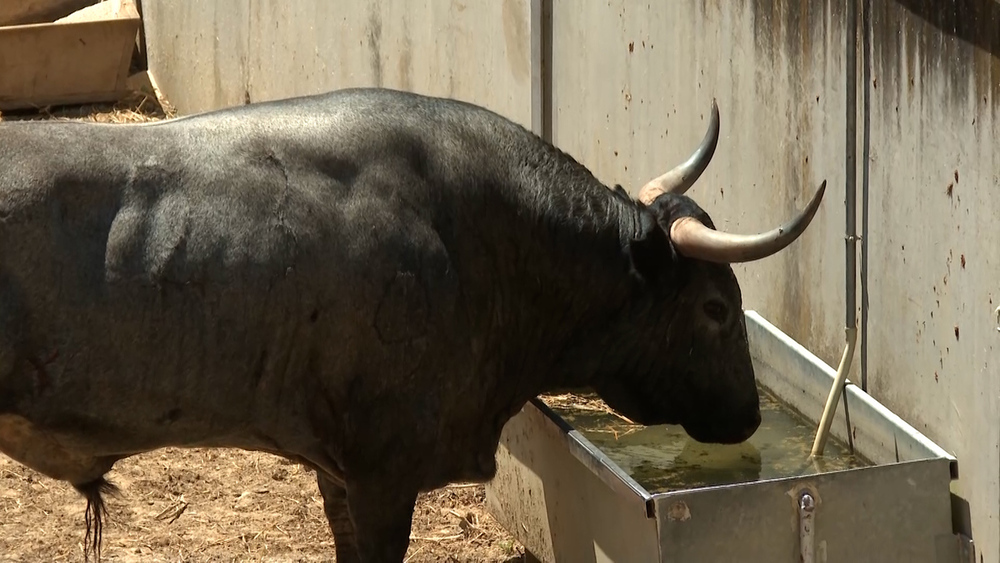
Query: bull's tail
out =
(94, 492)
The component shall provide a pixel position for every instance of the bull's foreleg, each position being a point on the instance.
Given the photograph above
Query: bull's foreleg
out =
(381, 512)
(335, 507)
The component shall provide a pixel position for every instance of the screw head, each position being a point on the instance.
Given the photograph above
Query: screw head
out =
(807, 502)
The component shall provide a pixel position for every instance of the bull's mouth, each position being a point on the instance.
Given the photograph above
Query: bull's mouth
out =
(631, 406)
(727, 434)
(646, 419)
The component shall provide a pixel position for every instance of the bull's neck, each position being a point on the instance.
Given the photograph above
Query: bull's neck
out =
(573, 288)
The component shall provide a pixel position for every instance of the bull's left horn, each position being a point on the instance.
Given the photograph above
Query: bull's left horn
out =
(693, 239)
(681, 178)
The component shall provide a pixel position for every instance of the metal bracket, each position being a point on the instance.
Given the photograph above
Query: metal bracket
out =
(807, 528)
(966, 549)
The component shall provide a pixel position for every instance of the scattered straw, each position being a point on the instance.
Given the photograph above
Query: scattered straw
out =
(412, 555)
(436, 538)
(135, 107)
(173, 512)
(590, 403)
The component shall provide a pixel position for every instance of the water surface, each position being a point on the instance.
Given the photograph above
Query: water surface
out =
(664, 458)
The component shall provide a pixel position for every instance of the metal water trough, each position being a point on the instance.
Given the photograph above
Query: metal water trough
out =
(566, 501)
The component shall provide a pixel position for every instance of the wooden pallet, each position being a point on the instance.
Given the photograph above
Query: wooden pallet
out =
(80, 58)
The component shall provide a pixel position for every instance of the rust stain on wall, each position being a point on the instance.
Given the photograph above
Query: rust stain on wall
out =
(795, 42)
(976, 22)
(405, 65)
(375, 44)
(792, 27)
(915, 41)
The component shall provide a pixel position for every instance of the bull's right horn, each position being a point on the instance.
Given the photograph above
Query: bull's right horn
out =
(681, 178)
(693, 239)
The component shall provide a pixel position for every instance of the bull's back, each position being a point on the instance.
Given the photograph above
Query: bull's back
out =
(214, 256)
(235, 197)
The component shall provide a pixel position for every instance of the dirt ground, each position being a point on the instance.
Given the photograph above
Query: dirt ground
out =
(197, 505)
(225, 505)
(215, 505)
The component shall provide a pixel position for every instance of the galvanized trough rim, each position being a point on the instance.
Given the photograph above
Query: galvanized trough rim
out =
(858, 399)
(592, 456)
(619, 480)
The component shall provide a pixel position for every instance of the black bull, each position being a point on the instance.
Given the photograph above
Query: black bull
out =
(368, 282)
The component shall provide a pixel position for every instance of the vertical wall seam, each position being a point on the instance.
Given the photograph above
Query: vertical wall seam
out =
(850, 213)
(850, 164)
(866, 53)
(541, 68)
(547, 57)
(536, 50)
(252, 7)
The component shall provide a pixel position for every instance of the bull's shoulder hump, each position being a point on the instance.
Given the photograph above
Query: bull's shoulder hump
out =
(354, 111)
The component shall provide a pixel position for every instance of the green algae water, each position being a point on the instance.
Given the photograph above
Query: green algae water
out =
(664, 458)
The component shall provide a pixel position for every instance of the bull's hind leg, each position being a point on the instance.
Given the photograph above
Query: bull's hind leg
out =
(46, 453)
(335, 507)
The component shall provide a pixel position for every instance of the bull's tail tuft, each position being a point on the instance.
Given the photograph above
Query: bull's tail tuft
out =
(94, 492)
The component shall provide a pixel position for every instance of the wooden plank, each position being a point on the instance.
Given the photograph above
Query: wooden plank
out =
(104, 10)
(67, 62)
(22, 12)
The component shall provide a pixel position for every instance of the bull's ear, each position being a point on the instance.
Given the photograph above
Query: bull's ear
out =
(650, 251)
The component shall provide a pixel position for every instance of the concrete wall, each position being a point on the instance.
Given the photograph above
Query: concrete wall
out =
(934, 240)
(227, 52)
(627, 89)
(651, 72)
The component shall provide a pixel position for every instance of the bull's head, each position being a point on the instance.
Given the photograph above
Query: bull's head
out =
(700, 375)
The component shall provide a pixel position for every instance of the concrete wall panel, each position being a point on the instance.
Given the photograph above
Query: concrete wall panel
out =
(778, 72)
(216, 54)
(632, 88)
(198, 51)
(476, 51)
(934, 354)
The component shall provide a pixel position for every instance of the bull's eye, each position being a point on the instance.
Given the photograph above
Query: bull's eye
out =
(717, 311)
